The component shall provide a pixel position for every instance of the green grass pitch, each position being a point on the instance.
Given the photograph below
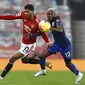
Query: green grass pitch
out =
(51, 78)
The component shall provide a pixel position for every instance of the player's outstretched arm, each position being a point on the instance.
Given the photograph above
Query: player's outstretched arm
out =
(11, 17)
(8, 17)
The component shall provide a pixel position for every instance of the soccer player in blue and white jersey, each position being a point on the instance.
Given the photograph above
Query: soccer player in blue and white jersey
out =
(61, 44)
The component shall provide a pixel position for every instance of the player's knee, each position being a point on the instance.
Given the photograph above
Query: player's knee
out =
(68, 64)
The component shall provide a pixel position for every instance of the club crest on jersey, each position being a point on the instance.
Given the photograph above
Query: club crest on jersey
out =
(32, 25)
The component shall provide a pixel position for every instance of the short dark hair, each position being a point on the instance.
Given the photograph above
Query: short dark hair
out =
(29, 6)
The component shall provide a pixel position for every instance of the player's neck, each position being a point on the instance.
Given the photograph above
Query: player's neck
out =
(32, 17)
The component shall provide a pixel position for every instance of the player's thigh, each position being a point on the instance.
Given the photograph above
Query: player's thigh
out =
(16, 56)
(45, 53)
(27, 48)
(53, 49)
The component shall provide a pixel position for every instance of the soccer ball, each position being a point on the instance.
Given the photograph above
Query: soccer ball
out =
(44, 26)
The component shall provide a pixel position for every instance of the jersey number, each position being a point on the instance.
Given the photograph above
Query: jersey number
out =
(26, 49)
(67, 54)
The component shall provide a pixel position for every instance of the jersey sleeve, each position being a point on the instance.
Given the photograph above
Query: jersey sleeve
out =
(58, 24)
(58, 21)
(11, 17)
(44, 36)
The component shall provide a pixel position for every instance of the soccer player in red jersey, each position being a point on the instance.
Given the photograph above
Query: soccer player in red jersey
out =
(28, 43)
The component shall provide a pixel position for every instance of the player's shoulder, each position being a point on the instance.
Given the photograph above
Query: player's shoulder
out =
(57, 18)
(20, 14)
(36, 19)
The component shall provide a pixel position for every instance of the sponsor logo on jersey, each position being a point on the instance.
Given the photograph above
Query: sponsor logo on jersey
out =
(27, 28)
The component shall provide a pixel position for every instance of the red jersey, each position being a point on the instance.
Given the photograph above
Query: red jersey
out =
(29, 26)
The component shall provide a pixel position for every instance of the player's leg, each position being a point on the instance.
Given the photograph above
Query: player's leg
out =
(73, 68)
(10, 64)
(27, 60)
(67, 54)
(35, 59)
(22, 52)
(47, 52)
(43, 55)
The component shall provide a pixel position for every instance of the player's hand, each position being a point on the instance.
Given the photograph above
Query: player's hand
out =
(50, 44)
(40, 29)
(52, 28)
(32, 35)
(28, 36)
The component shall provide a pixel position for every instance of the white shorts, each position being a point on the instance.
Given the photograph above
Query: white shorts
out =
(25, 49)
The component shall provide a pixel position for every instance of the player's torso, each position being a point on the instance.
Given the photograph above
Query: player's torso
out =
(29, 26)
(59, 37)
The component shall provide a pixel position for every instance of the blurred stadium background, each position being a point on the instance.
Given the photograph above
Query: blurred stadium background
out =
(9, 30)
(73, 16)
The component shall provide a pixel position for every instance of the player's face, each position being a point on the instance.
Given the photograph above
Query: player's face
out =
(50, 15)
(28, 13)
